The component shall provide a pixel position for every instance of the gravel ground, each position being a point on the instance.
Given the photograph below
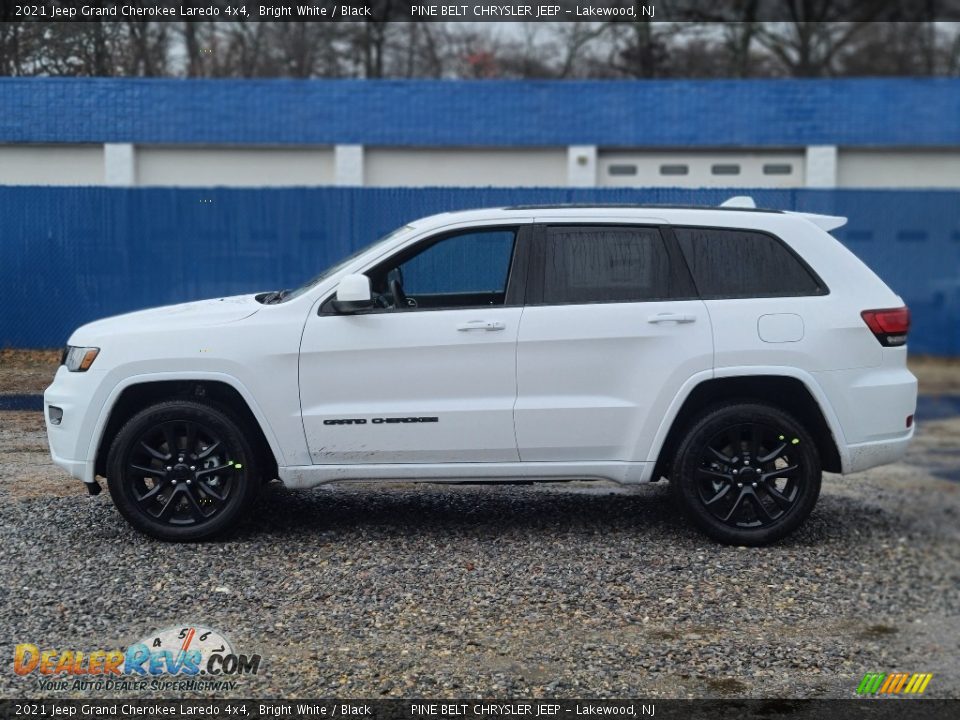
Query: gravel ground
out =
(27, 371)
(572, 590)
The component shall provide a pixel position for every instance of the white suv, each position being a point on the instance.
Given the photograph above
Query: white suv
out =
(736, 352)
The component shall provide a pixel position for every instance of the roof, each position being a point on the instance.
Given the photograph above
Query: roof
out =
(726, 216)
(640, 206)
(907, 112)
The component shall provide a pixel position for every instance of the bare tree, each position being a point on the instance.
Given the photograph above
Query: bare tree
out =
(640, 49)
(739, 37)
(818, 31)
(817, 41)
(146, 48)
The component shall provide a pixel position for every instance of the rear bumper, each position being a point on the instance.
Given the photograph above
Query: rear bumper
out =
(864, 456)
(872, 406)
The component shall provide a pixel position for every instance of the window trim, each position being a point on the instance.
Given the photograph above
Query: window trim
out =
(537, 269)
(514, 294)
(823, 288)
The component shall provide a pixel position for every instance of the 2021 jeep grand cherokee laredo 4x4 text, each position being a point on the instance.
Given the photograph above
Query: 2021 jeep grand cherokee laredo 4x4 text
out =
(736, 352)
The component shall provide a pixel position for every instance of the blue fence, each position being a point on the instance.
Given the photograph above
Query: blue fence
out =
(71, 255)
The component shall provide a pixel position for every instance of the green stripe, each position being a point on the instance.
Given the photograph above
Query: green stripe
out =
(871, 683)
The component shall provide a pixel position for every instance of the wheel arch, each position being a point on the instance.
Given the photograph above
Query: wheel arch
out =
(223, 391)
(788, 392)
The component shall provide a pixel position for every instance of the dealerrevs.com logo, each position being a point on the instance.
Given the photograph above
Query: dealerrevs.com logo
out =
(894, 683)
(179, 658)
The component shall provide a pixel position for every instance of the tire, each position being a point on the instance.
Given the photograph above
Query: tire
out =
(182, 471)
(717, 481)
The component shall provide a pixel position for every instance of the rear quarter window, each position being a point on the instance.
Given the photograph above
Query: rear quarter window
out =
(744, 264)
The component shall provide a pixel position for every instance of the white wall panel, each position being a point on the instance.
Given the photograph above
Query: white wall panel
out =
(51, 165)
(899, 168)
(234, 166)
(474, 167)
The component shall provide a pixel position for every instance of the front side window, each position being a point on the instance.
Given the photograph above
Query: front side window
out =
(744, 264)
(466, 269)
(606, 264)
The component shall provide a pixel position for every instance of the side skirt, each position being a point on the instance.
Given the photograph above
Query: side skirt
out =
(624, 473)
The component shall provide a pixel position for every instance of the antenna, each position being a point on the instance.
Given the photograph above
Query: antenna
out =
(739, 201)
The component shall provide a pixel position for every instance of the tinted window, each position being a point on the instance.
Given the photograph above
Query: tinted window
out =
(473, 262)
(583, 265)
(740, 263)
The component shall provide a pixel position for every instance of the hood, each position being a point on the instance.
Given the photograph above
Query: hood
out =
(202, 313)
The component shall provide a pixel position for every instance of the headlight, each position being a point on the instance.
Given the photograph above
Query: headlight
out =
(79, 359)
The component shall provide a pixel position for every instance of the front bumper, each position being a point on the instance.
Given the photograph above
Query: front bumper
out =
(71, 440)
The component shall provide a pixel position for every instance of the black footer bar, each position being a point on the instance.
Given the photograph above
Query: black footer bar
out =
(469, 709)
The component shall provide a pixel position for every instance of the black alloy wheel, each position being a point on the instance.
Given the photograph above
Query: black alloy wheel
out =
(181, 471)
(748, 474)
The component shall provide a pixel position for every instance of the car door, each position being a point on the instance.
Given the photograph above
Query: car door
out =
(430, 381)
(612, 330)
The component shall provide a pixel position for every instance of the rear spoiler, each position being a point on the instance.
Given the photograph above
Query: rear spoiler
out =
(824, 222)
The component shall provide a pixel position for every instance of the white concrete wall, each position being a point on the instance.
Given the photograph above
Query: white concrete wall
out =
(234, 166)
(51, 165)
(899, 168)
(474, 167)
(821, 166)
(582, 165)
(640, 168)
(125, 165)
(348, 165)
(119, 164)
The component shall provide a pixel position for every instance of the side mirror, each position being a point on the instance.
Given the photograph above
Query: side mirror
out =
(353, 294)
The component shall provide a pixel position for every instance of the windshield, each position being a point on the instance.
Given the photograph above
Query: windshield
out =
(336, 267)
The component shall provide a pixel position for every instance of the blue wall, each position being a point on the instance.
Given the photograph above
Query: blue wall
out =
(71, 255)
(908, 112)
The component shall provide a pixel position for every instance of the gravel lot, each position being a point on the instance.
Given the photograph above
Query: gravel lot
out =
(572, 590)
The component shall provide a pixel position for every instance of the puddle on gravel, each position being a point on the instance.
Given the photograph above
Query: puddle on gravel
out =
(937, 407)
(21, 402)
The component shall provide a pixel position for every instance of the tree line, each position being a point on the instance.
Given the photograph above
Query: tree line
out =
(808, 46)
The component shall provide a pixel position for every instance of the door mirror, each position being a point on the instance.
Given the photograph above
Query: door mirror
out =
(353, 294)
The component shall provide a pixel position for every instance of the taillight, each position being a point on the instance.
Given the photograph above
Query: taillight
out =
(889, 326)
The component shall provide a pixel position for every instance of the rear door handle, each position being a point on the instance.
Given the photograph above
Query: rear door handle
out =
(487, 325)
(671, 317)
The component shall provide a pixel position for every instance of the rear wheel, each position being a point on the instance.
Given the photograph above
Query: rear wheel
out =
(747, 474)
(182, 471)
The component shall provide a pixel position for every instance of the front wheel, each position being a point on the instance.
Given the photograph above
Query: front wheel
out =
(182, 471)
(747, 474)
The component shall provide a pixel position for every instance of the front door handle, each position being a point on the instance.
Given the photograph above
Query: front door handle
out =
(487, 325)
(671, 317)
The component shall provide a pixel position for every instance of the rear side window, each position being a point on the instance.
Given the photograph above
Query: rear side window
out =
(606, 264)
(744, 264)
